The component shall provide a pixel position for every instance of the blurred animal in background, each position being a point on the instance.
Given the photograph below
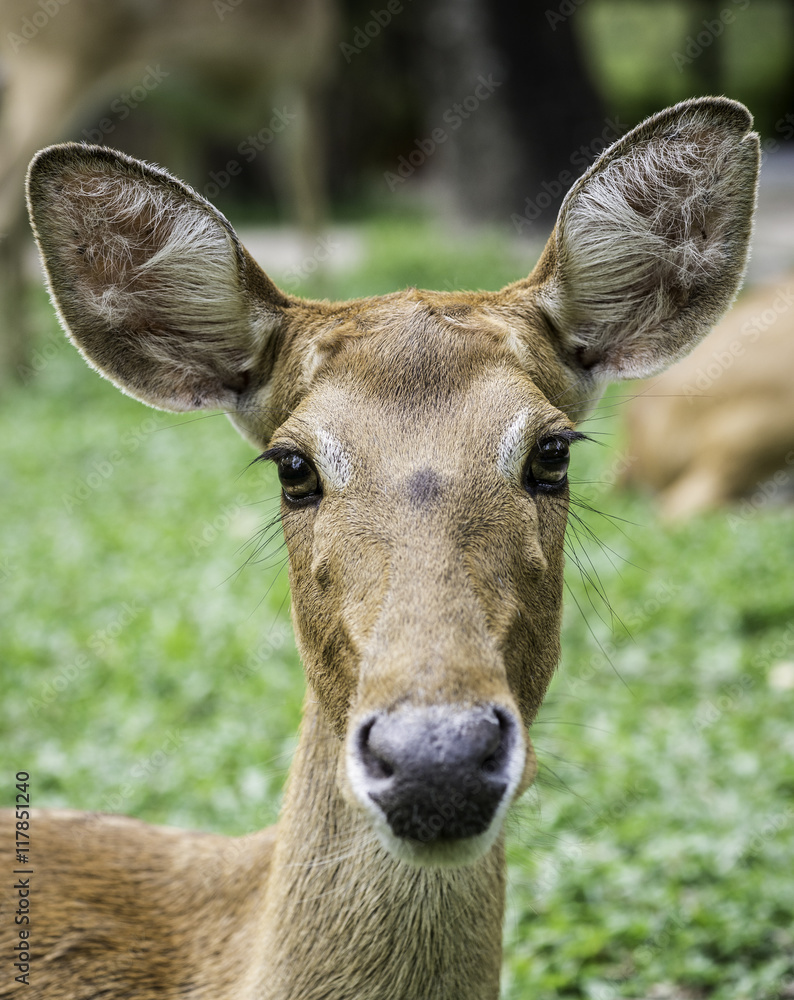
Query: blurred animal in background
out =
(719, 426)
(249, 73)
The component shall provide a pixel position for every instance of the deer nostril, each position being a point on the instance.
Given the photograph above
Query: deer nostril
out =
(376, 765)
(491, 737)
(498, 744)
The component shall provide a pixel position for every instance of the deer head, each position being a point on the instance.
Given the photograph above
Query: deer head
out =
(422, 439)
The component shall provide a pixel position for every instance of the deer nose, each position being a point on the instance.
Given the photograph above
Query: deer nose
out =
(437, 774)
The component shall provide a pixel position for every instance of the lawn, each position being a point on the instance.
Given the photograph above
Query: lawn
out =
(148, 668)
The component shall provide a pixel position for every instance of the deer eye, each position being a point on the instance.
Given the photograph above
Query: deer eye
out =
(299, 479)
(548, 463)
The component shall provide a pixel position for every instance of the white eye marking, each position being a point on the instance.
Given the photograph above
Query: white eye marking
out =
(333, 463)
(511, 447)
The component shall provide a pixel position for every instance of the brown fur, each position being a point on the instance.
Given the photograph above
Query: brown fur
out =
(429, 574)
(719, 426)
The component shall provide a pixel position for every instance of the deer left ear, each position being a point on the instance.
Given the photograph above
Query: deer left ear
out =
(151, 282)
(651, 243)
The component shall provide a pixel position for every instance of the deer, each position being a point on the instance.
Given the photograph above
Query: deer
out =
(422, 441)
(717, 428)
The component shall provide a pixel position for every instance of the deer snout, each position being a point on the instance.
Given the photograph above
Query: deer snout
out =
(436, 775)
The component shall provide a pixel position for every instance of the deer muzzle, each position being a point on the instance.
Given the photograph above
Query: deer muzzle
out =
(437, 780)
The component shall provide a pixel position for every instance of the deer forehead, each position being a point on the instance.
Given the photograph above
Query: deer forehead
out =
(489, 428)
(420, 400)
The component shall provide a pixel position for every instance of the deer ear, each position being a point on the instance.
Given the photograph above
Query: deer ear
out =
(651, 243)
(150, 281)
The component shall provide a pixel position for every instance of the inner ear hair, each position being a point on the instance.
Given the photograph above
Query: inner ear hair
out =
(651, 243)
(149, 279)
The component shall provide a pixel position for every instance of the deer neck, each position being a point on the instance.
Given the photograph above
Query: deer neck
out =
(344, 919)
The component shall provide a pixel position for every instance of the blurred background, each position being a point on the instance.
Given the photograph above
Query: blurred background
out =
(146, 659)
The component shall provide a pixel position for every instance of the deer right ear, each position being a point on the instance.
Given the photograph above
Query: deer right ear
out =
(150, 281)
(651, 242)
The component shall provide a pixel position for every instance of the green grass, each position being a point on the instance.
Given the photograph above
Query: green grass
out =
(148, 670)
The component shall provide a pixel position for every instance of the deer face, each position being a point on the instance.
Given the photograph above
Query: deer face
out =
(421, 439)
(424, 505)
